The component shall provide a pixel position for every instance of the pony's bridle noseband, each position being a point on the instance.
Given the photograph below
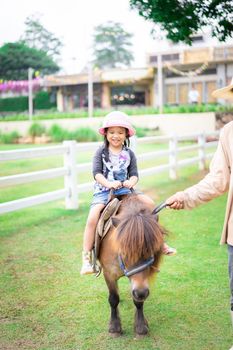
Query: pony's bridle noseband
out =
(145, 263)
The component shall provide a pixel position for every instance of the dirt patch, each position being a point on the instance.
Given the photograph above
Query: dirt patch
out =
(38, 140)
(22, 344)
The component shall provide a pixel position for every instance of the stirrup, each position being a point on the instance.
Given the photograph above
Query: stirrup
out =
(96, 266)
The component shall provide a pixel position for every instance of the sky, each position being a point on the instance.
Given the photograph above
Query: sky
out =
(73, 22)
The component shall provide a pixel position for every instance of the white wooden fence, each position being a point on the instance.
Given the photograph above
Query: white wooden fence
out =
(70, 169)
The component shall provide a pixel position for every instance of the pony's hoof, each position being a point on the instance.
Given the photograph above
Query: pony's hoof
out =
(142, 332)
(115, 335)
(115, 332)
(115, 328)
(140, 336)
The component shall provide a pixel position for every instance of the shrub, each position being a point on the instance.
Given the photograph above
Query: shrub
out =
(36, 129)
(43, 100)
(11, 137)
(141, 132)
(14, 104)
(57, 133)
(84, 135)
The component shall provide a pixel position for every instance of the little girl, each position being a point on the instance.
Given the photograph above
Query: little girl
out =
(114, 167)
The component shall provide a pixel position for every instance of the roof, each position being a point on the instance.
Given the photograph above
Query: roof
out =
(113, 75)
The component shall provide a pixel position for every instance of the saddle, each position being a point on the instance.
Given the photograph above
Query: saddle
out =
(102, 229)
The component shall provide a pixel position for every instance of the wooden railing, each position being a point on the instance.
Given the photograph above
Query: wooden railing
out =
(71, 169)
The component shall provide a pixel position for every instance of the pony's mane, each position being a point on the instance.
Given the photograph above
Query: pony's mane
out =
(138, 233)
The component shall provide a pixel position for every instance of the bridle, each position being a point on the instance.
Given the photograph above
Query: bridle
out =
(136, 269)
(145, 263)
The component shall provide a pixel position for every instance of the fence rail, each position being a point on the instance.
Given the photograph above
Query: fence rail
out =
(70, 170)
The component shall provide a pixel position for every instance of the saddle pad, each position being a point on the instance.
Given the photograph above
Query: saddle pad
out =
(104, 222)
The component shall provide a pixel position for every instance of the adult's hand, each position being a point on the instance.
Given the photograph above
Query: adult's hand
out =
(176, 201)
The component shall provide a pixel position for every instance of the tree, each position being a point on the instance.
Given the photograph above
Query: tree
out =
(182, 19)
(16, 58)
(38, 37)
(111, 46)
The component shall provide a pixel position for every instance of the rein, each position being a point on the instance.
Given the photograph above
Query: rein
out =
(159, 208)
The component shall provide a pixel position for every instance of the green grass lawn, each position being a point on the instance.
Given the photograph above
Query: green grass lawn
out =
(45, 304)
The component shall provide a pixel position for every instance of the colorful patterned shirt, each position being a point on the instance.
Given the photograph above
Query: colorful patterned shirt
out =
(114, 166)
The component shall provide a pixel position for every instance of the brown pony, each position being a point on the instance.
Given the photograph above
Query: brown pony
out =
(132, 247)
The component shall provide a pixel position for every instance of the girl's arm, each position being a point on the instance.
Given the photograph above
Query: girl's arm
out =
(133, 167)
(132, 172)
(97, 163)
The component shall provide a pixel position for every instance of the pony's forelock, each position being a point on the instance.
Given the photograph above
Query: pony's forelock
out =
(139, 234)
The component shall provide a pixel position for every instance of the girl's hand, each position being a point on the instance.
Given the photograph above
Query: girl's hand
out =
(127, 184)
(115, 184)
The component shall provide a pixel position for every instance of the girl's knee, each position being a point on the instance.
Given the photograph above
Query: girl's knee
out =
(92, 221)
(94, 215)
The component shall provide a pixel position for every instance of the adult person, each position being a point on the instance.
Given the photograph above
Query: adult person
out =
(193, 96)
(218, 181)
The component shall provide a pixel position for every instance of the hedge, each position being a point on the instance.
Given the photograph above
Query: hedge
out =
(42, 100)
(14, 104)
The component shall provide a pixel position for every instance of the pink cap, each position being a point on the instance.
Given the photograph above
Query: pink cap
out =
(117, 118)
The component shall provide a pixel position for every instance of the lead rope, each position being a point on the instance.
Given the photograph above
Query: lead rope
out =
(160, 207)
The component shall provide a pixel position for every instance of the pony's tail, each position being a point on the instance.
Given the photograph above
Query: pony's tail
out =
(139, 237)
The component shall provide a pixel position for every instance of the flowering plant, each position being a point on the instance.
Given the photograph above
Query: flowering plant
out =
(19, 85)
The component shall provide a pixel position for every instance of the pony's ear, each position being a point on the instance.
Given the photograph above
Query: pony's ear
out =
(115, 221)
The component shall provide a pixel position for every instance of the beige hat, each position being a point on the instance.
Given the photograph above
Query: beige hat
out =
(226, 92)
(117, 118)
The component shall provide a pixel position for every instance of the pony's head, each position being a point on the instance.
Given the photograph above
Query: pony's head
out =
(140, 240)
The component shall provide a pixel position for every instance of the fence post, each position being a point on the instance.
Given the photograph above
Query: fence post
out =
(70, 181)
(173, 157)
(133, 143)
(201, 151)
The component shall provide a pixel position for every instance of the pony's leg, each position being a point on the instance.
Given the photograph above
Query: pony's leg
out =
(115, 322)
(140, 323)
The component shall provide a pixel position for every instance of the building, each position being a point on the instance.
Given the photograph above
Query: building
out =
(201, 66)
(167, 79)
(131, 86)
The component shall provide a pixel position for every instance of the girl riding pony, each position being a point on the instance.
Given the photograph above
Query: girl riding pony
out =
(114, 167)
